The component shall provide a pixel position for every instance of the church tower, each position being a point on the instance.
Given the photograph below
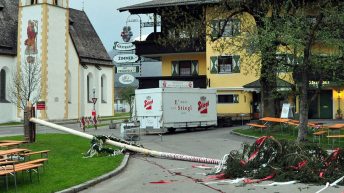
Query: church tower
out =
(43, 38)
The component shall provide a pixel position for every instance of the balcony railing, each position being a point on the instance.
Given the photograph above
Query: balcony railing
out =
(152, 46)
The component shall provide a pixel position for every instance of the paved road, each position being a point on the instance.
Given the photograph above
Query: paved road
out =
(181, 176)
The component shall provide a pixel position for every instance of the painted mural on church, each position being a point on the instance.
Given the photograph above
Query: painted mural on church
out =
(31, 41)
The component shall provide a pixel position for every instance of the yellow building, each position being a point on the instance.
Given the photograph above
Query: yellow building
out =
(219, 64)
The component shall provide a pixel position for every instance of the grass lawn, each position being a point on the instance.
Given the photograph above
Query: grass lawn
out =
(98, 125)
(66, 166)
(289, 133)
(115, 117)
(11, 124)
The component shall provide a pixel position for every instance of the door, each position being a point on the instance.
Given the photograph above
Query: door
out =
(326, 107)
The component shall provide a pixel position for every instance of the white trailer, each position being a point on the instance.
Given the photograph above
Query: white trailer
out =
(171, 108)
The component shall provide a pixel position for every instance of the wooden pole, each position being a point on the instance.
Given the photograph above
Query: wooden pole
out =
(129, 147)
(29, 128)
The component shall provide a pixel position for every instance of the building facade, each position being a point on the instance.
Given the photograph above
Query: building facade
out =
(74, 64)
(227, 69)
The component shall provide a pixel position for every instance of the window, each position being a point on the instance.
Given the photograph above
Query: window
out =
(103, 89)
(55, 2)
(33, 2)
(89, 88)
(231, 29)
(3, 86)
(224, 64)
(185, 68)
(227, 99)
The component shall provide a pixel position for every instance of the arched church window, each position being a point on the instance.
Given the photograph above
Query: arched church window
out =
(2, 85)
(103, 88)
(89, 87)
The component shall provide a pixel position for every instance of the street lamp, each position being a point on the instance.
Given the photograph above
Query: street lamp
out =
(126, 23)
(94, 99)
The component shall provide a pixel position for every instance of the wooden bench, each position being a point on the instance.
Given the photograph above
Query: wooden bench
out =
(318, 134)
(44, 154)
(255, 125)
(13, 169)
(333, 137)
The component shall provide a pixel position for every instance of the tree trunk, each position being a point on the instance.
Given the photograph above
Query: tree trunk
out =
(302, 134)
(268, 82)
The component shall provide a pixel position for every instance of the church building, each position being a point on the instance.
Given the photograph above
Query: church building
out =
(74, 65)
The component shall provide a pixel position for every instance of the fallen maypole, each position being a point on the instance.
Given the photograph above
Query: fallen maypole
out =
(130, 147)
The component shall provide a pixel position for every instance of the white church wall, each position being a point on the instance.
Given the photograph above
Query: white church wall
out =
(86, 103)
(8, 110)
(102, 108)
(105, 103)
(74, 91)
(56, 63)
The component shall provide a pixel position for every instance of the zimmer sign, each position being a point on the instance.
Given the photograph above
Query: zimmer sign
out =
(125, 58)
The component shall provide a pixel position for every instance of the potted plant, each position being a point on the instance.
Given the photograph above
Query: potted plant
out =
(339, 114)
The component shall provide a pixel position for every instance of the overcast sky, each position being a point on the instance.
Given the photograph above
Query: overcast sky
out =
(108, 21)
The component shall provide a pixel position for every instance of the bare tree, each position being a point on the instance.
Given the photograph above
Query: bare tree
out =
(26, 84)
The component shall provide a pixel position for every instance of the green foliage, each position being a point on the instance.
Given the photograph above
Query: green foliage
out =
(98, 146)
(66, 166)
(127, 94)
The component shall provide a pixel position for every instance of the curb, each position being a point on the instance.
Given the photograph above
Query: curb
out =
(99, 179)
(243, 135)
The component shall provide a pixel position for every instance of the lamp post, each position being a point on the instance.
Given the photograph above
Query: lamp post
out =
(126, 23)
(140, 20)
(94, 99)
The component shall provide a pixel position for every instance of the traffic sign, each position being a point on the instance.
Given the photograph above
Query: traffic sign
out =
(40, 105)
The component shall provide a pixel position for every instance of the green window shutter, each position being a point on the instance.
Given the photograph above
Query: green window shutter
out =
(137, 69)
(175, 68)
(236, 27)
(236, 64)
(194, 67)
(214, 28)
(213, 65)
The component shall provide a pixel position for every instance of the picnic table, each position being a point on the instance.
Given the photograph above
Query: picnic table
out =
(13, 151)
(8, 144)
(9, 141)
(331, 128)
(274, 120)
